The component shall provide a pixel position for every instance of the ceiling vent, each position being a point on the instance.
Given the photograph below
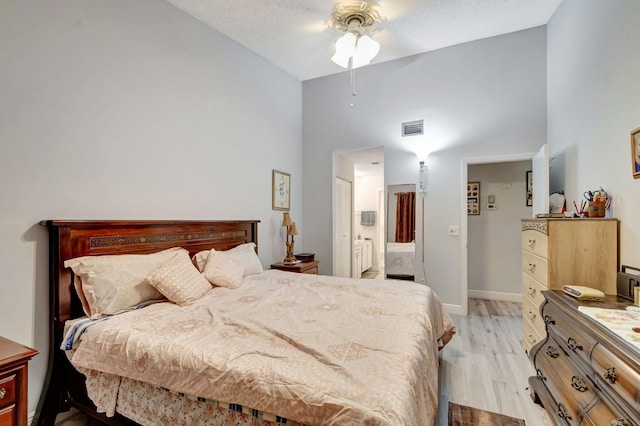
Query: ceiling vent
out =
(412, 128)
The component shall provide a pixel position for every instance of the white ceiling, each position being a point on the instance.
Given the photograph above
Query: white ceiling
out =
(295, 35)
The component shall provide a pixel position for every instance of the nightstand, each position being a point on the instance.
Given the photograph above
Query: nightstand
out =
(13, 382)
(300, 268)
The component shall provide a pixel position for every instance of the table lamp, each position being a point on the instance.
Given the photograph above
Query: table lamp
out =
(291, 231)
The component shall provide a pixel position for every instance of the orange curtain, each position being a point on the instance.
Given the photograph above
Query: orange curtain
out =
(405, 217)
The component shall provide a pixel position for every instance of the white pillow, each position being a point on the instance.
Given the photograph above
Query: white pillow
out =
(116, 283)
(179, 280)
(244, 254)
(222, 270)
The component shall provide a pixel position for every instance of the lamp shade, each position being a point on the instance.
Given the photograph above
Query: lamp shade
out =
(345, 46)
(286, 219)
(292, 230)
(366, 49)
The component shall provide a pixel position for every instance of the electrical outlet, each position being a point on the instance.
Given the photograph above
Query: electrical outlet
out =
(454, 231)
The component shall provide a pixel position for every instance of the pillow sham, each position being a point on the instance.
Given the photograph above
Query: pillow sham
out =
(111, 284)
(244, 254)
(179, 281)
(222, 270)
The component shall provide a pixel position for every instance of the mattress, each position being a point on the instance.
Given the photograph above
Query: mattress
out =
(308, 348)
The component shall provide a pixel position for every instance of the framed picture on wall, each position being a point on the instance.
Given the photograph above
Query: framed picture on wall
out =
(529, 194)
(281, 191)
(473, 198)
(635, 153)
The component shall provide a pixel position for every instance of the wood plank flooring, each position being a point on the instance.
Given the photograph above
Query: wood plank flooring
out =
(483, 366)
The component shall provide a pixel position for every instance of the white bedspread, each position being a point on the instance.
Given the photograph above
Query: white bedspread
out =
(313, 349)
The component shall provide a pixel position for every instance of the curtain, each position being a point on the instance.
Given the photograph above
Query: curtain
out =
(405, 217)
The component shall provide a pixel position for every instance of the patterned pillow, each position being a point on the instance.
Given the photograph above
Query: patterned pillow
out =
(222, 270)
(179, 281)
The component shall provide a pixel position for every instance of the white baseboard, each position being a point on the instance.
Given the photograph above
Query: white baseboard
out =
(495, 295)
(454, 309)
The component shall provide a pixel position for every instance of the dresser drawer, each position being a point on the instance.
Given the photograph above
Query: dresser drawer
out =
(530, 336)
(572, 389)
(532, 289)
(535, 242)
(604, 414)
(531, 313)
(7, 390)
(573, 337)
(613, 373)
(536, 267)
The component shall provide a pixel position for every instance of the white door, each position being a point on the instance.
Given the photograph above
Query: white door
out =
(540, 178)
(342, 233)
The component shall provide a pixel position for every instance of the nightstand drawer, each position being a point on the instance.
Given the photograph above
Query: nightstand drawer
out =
(311, 271)
(8, 416)
(7, 390)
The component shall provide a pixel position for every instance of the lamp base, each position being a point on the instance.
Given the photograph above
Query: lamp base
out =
(291, 262)
(290, 259)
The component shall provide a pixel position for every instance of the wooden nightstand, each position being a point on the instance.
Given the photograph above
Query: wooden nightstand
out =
(13, 382)
(300, 268)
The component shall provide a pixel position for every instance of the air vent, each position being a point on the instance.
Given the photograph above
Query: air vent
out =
(412, 128)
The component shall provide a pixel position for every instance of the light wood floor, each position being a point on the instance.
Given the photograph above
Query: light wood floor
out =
(483, 366)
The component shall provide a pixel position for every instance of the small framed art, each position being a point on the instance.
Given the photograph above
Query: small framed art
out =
(473, 198)
(529, 194)
(635, 153)
(281, 191)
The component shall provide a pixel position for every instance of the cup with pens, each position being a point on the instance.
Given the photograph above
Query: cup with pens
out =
(595, 203)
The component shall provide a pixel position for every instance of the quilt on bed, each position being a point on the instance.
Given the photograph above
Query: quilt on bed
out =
(312, 349)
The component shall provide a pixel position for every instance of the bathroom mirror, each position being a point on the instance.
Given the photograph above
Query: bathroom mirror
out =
(401, 225)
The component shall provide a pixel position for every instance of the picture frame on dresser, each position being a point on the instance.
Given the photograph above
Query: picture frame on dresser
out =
(280, 190)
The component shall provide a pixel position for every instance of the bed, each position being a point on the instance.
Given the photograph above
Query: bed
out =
(280, 349)
(401, 262)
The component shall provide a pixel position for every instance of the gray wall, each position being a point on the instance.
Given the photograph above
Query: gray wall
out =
(594, 88)
(494, 260)
(478, 99)
(114, 109)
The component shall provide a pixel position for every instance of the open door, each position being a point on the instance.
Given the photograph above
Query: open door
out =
(540, 178)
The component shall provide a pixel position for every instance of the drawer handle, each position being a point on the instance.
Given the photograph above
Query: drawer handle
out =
(531, 243)
(532, 267)
(531, 315)
(562, 412)
(552, 352)
(620, 422)
(531, 339)
(540, 376)
(3, 392)
(578, 384)
(548, 320)
(573, 344)
(531, 291)
(610, 375)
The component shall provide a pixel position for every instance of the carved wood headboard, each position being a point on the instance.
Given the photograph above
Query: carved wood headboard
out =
(70, 239)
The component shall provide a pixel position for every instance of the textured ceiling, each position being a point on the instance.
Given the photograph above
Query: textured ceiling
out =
(295, 35)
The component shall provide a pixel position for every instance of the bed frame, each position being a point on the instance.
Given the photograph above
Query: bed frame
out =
(64, 387)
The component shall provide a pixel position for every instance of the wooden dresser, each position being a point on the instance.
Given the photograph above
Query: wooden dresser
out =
(586, 374)
(13, 382)
(556, 252)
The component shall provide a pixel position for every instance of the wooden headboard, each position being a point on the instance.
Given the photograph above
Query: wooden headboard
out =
(70, 239)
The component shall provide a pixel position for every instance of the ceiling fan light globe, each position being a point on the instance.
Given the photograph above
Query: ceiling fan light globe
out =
(345, 47)
(367, 47)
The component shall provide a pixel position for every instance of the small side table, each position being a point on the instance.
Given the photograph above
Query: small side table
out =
(14, 359)
(300, 267)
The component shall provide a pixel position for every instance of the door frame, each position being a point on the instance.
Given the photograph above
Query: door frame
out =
(466, 162)
(350, 221)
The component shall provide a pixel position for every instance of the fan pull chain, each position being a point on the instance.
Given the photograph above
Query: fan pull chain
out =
(353, 87)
